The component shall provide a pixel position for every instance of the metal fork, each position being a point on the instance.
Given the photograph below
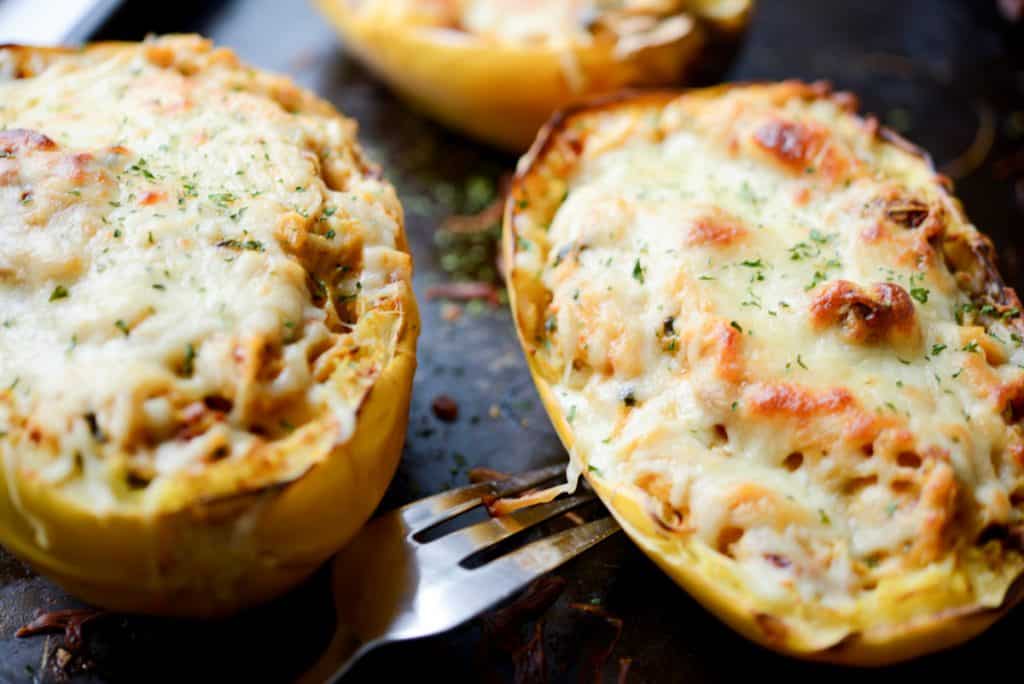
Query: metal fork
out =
(389, 586)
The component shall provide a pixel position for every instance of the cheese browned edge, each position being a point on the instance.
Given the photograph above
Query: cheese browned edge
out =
(766, 425)
(554, 23)
(570, 28)
(517, 64)
(208, 319)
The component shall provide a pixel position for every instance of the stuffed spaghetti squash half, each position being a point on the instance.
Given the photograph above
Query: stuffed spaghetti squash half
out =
(776, 347)
(208, 329)
(497, 69)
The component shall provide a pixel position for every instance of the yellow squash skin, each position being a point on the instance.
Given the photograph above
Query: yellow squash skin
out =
(213, 544)
(502, 92)
(925, 611)
(191, 563)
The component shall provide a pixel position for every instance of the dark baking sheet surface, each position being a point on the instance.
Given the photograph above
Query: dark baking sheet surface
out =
(948, 73)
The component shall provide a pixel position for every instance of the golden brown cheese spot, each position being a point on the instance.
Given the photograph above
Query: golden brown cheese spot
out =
(1009, 398)
(715, 228)
(151, 197)
(789, 400)
(8, 172)
(75, 167)
(862, 430)
(791, 143)
(803, 148)
(724, 343)
(15, 140)
(895, 440)
(802, 196)
(817, 421)
(938, 502)
(882, 313)
(162, 56)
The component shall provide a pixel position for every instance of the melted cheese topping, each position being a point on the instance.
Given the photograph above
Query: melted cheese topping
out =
(779, 331)
(199, 274)
(632, 24)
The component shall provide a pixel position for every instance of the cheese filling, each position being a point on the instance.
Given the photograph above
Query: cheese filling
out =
(632, 23)
(187, 251)
(757, 323)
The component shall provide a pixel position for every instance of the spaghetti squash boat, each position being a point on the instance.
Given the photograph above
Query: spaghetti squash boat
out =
(779, 351)
(497, 69)
(208, 329)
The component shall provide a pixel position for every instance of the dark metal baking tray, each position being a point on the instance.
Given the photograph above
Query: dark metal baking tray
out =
(949, 73)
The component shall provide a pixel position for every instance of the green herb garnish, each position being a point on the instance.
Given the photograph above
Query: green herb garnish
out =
(188, 365)
(638, 272)
(252, 245)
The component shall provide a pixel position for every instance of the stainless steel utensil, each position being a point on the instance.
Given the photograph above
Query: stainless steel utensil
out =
(391, 585)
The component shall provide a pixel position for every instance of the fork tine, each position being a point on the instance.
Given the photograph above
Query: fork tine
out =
(547, 554)
(467, 593)
(389, 587)
(462, 543)
(531, 478)
(427, 512)
(432, 510)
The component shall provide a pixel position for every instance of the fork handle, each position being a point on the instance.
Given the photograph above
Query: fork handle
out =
(340, 655)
